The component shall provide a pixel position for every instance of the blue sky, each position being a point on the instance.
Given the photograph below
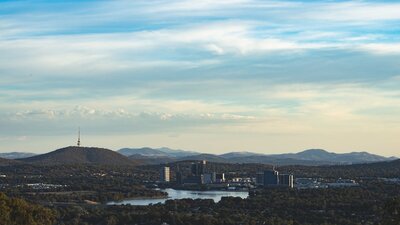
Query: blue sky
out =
(213, 76)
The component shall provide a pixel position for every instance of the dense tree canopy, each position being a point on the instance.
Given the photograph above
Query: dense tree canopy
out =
(15, 211)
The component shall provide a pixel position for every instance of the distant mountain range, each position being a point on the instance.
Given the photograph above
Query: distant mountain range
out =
(16, 155)
(145, 156)
(156, 152)
(231, 155)
(344, 158)
(307, 157)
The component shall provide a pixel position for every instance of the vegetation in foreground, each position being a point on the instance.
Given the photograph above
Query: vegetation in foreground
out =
(348, 206)
(16, 211)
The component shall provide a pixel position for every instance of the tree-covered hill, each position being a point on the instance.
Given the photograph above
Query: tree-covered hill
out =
(80, 155)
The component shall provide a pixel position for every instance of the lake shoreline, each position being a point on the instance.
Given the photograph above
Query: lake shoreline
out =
(140, 198)
(173, 194)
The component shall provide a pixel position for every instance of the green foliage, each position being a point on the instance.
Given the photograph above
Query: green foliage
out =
(380, 169)
(392, 212)
(14, 211)
(99, 183)
(344, 206)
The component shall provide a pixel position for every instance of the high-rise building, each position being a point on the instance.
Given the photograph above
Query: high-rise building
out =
(214, 177)
(286, 180)
(202, 166)
(165, 174)
(179, 178)
(194, 169)
(198, 168)
(271, 178)
(260, 179)
(219, 177)
(208, 178)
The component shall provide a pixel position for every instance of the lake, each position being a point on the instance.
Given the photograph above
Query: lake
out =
(180, 194)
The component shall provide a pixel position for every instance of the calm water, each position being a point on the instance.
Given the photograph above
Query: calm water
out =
(180, 194)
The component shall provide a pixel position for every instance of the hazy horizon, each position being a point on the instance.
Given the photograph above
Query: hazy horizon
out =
(211, 76)
(216, 152)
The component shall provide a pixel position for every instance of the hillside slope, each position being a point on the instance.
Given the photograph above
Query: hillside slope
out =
(8, 162)
(80, 155)
(151, 160)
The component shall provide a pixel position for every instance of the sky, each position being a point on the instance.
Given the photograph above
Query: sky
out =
(205, 75)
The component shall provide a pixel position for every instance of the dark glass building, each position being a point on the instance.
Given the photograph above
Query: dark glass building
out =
(271, 178)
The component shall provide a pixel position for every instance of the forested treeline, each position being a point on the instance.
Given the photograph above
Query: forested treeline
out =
(99, 183)
(16, 211)
(344, 206)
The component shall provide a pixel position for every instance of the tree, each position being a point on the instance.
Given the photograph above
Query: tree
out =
(14, 211)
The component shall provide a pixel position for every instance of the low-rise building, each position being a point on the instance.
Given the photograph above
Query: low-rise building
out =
(343, 183)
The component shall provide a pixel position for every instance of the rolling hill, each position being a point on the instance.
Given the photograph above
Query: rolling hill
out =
(80, 155)
(344, 158)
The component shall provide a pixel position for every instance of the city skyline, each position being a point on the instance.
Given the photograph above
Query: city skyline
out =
(210, 76)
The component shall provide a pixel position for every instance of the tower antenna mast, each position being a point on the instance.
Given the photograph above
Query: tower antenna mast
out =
(79, 137)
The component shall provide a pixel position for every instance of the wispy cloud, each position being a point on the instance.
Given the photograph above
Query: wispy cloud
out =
(382, 48)
(242, 72)
(355, 11)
